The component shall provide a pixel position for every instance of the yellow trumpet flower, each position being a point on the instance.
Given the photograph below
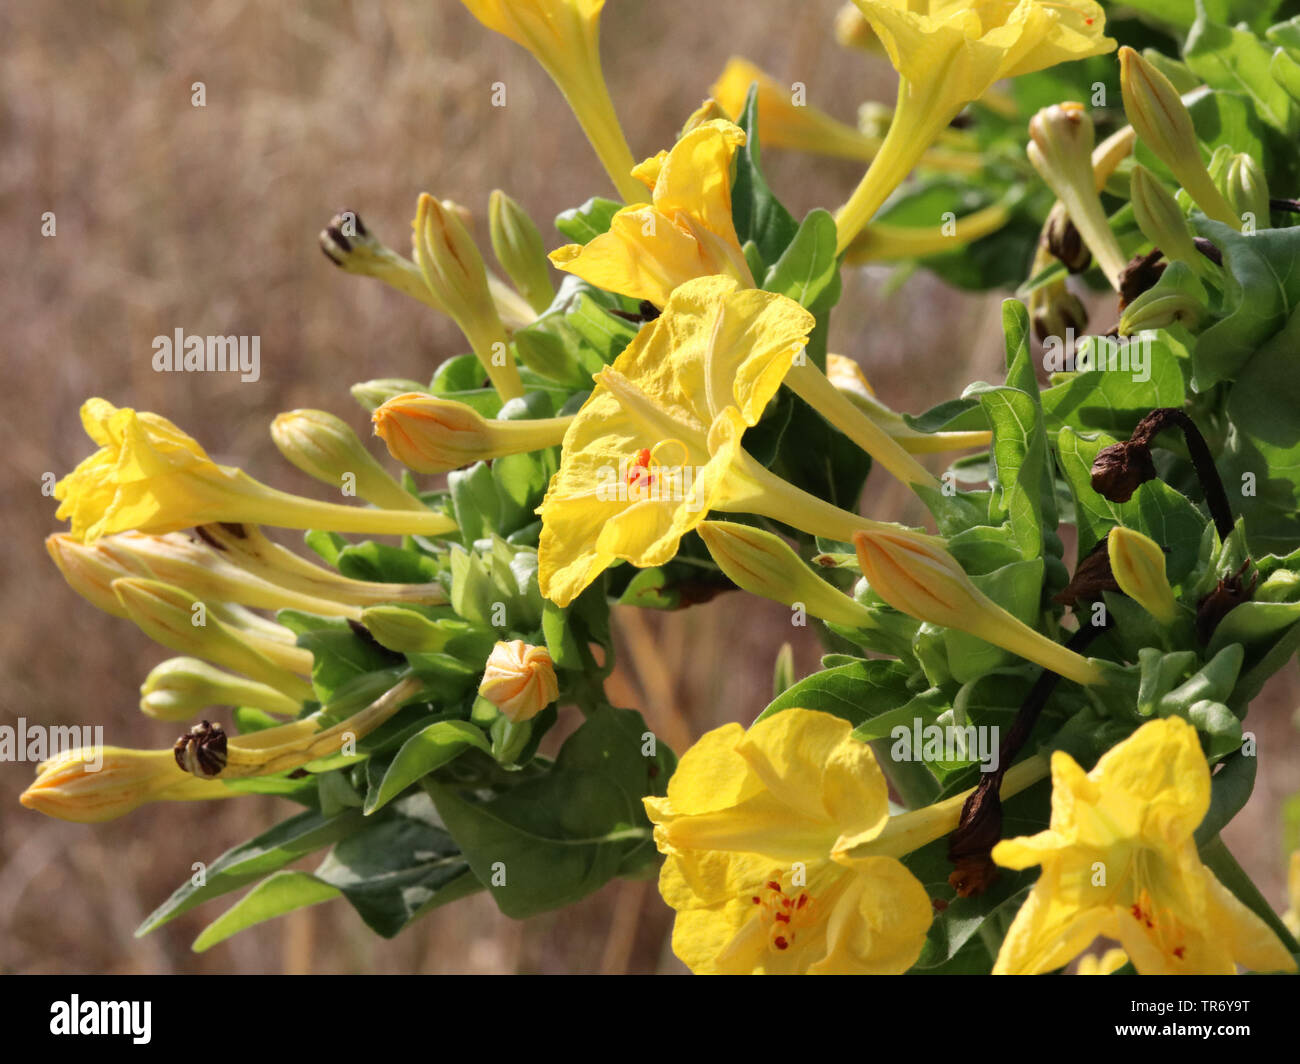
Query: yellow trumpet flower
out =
(564, 37)
(782, 856)
(685, 232)
(657, 445)
(947, 54)
(150, 476)
(755, 828)
(1119, 859)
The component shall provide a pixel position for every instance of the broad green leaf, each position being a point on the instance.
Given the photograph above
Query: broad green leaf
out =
(276, 895)
(856, 692)
(1237, 60)
(757, 213)
(428, 749)
(583, 224)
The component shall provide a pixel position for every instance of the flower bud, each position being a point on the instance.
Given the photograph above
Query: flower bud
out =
(915, 576)
(1055, 311)
(94, 784)
(518, 247)
(1138, 565)
(1159, 309)
(170, 616)
(1060, 147)
(852, 30)
(1161, 220)
(325, 447)
(454, 272)
(432, 435)
(763, 564)
(1162, 121)
(519, 680)
(179, 688)
(88, 571)
(708, 111)
(1247, 189)
(1063, 240)
(372, 394)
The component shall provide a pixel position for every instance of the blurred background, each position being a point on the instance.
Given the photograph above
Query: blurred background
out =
(206, 218)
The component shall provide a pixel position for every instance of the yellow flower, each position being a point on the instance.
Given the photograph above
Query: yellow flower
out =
(564, 36)
(1119, 859)
(150, 476)
(686, 231)
(519, 680)
(756, 827)
(657, 445)
(948, 53)
(784, 124)
(1108, 963)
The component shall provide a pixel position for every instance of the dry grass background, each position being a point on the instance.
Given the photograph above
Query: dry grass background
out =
(206, 219)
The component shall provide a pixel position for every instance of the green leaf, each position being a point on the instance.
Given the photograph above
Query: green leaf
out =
(757, 213)
(856, 692)
(583, 224)
(399, 867)
(1237, 60)
(556, 838)
(808, 269)
(276, 895)
(428, 749)
(1262, 294)
(1156, 509)
(250, 861)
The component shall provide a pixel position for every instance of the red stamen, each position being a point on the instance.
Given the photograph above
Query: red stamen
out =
(780, 943)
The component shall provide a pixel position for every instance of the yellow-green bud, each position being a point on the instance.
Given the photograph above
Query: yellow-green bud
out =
(375, 393)
(1162, 221)
(1159, 309)
(179, 622)
(1138, 565)
(1162, 121)
(454, 272)
(921, 579)
(1060, 147)
(179, 688)
(518, 247)
(764, 564)
(1248, 192)
(325, 447)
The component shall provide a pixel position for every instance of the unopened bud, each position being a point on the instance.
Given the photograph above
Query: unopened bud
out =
(1248, 190)
(1060, 147)
(179, 688)
(763, 564)
(914, 575)
(454, 272)
(1055, 310)
(1161, 220)
(325, 447)
(852, 30)
(1158, 309)
(1138, 565)
(518, 247)
(519, 680)
(1063, 240)
(373, 394)
(432, 435)
(1162, 121)
(167, 615)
